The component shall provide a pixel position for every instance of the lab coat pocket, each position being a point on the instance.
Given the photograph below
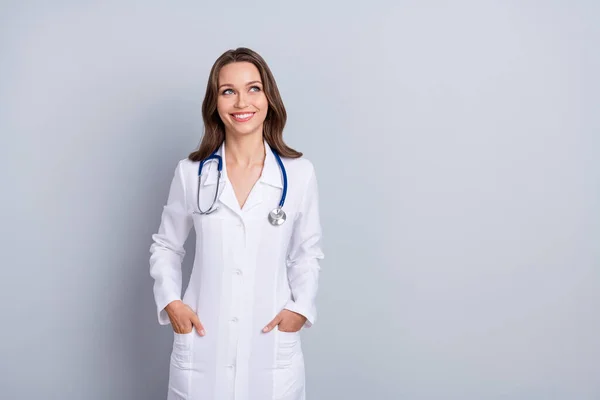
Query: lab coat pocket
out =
(180, 371)
(288, 344)
(289, 372)
(181, 355)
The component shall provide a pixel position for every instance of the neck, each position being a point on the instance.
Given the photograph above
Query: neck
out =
(245, 151)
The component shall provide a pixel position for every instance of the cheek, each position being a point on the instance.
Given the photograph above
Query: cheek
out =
(222, 108)
(263, 105)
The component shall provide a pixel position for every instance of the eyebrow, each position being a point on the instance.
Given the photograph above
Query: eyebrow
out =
(247, 84)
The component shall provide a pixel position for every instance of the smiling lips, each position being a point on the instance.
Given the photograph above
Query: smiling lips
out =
(242, 117)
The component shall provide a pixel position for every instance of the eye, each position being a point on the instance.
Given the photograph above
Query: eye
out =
(226, 91)
(255, 87)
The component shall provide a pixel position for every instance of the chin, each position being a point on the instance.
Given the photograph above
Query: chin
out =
(245, 130)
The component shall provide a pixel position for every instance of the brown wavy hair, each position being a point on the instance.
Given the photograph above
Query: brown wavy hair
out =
(214, 129)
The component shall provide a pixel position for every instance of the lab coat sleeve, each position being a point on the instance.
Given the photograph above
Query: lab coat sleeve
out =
(167, 250)
(304, 255)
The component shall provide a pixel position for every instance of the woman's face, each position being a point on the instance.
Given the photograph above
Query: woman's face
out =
(241, 102)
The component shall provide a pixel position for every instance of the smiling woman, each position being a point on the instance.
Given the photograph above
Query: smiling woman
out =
(239, 77)
(255, 275)
(241, 98)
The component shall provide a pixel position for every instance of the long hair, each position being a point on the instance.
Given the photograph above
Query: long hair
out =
(214, 129)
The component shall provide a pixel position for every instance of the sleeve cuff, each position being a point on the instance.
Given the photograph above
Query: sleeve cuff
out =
(304, 311)
(163, 317)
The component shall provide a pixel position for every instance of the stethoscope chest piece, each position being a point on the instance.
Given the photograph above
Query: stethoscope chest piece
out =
(277, 217)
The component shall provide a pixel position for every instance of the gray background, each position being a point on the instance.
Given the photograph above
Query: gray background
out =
(456, 145)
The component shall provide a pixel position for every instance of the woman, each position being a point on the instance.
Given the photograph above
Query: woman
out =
(255, 274)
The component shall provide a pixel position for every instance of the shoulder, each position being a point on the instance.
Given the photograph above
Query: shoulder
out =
(186, 166)
(301, 176)
(186, 172)
(299, 166)
(299, 169)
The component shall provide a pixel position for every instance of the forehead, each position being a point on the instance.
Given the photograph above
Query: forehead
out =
(239, 73)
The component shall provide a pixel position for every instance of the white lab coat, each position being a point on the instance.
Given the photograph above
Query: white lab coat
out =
(245, 271)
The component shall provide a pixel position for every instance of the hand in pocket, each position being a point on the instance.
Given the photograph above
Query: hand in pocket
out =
(183, 318)
(288, 321)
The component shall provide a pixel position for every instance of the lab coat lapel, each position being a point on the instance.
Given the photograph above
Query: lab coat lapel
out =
(270, 176)
(228, 198)
(226, 193)
(255, 197)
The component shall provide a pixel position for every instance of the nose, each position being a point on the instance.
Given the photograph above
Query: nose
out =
(241, 100)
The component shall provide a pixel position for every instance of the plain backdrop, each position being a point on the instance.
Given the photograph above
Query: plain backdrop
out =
(457, 150)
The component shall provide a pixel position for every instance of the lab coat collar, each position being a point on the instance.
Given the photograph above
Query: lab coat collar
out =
(226, 195)
(271, 173)
(210, 168)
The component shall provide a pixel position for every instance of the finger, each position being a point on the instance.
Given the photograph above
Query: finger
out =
(184, 327)
(272, 324)
(178, 328)
(181, 325)
(196, 322)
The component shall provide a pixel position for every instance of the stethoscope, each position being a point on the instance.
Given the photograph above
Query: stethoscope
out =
(276, 216)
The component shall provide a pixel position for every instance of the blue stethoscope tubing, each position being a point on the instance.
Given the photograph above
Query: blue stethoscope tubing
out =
(276, 217)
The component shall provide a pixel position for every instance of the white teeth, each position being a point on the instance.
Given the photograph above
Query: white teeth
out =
(242, 116)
